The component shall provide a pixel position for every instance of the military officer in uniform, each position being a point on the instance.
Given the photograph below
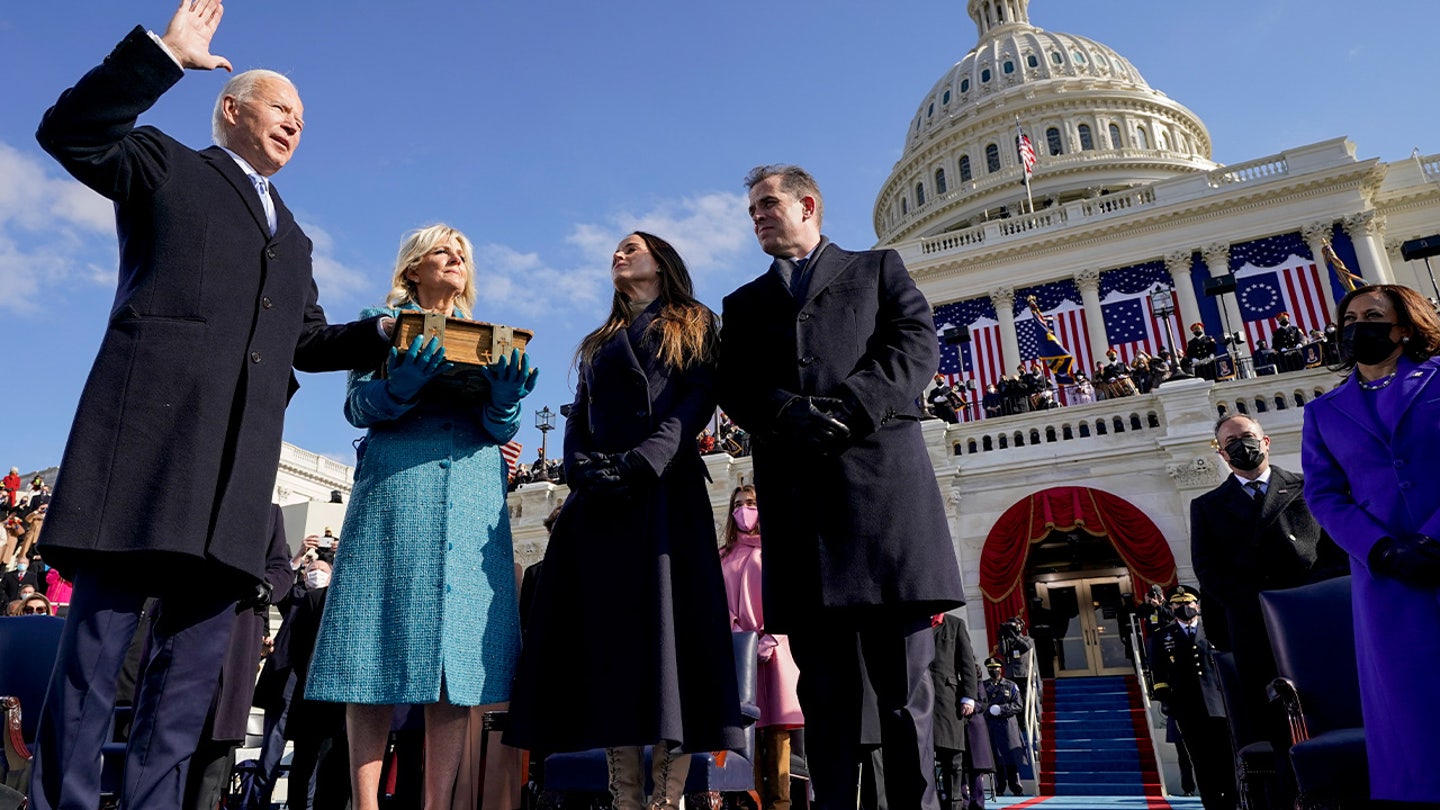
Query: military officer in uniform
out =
(1200, 352)
(1189, 691)
(1286, 339)
(1002, 710)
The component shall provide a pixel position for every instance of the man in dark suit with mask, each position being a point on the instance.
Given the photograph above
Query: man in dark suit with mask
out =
(822, 360)
(1254, 533)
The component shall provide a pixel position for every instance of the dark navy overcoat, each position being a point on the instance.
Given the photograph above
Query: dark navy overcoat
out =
(176, 441)
(866, 528)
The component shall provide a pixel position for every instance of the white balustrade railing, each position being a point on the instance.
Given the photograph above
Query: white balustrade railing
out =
(1261, 169)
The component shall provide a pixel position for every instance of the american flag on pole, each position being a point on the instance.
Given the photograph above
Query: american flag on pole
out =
(511, 451)
(1130, 324)
(1026, 150)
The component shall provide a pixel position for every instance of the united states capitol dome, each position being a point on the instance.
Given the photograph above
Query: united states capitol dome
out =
(1097, 128)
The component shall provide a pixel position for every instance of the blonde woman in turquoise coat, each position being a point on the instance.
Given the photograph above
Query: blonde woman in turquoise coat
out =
(422, 608)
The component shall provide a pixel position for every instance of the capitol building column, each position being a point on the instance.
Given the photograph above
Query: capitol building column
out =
(1217, 258)
(1364, 229)
(1178, 265)
(1088, 280)
(1004, 300)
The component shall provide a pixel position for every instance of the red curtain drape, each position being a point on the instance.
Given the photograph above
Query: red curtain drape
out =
(1002, 561)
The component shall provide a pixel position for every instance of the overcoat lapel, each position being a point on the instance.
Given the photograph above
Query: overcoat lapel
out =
(1282, 490)
(231, 171)
(1411, 380)
(1347, 400)
(825, 267)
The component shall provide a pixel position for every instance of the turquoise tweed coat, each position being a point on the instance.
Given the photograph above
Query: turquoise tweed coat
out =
(424, 582)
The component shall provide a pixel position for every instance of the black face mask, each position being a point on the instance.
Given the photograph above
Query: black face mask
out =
(1186, 612)
(1245, 453)
(1366, 342)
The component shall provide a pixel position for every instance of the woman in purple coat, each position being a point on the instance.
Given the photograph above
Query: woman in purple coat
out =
(1369, 453)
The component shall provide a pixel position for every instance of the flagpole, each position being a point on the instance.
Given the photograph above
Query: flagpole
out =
(1024, 168)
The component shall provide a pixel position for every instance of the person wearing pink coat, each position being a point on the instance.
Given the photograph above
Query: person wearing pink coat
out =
(57, 588)
(779, 706)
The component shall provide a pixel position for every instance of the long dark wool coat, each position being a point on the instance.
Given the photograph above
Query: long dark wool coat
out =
(865, 528)
(173, 452)
(628, 641)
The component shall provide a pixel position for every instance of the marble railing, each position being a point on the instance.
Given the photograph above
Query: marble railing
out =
(1262, 169)
(1279, 398)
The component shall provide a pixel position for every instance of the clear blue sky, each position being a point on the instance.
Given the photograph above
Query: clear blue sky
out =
(547, 130)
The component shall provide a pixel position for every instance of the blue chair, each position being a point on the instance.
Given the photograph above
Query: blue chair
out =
(28, 646)
(1312, 632)
(582, 779)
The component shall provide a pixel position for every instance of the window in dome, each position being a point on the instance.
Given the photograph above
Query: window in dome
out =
(965, 174)
(985, 75)
(1101, 60)
(1079, 57)
(940, 186)
(919, 194)
(964, 85)
(1114, 137)
(1052, 139)
(1141, 140)
(1087, 141)
(1057, 58)
(1032, 60)
(930, 111)
(992, 158)
(1009, 66)
(945, 99)
(1160, 140)
(904, 207)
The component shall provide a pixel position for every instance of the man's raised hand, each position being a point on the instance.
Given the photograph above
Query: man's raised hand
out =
(189, 32)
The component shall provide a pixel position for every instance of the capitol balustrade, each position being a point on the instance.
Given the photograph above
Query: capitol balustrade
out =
(1144, 419)
(1024, 225)
(1262, 169)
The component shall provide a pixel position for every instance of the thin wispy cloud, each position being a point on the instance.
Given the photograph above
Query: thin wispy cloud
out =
(54, 232)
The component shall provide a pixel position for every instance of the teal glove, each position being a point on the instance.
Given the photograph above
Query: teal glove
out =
(409, 372)
(511, 379)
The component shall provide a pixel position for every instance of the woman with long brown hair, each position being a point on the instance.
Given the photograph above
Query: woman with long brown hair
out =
(627, 643)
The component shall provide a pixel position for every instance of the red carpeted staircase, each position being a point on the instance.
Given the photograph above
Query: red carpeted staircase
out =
(1095, 739)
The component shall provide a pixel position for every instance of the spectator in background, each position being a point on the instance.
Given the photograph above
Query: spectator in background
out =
(1266, 359)
(35, 604)
(320, 767)
(1368, 453)
(1002, 708)
(445, 623)
(956, 692)
(14, 530)
(12, 488)
(1084, 390)
(706, 442)
(780, 714)
(22, 575)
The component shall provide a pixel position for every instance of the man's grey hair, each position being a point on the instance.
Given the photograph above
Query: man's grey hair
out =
(1237, 415)
(794, 181)
(241, 86)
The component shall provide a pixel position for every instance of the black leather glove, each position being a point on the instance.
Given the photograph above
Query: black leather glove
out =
(615, 473)
(1414, 560)
(813, 423)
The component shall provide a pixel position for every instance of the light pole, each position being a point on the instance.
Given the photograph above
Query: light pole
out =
(544, 422)
(1162, 305)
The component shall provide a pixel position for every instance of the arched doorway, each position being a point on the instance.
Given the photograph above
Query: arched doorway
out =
(1081, 551)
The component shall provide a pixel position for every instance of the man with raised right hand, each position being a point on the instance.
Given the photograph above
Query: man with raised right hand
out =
(171, 458)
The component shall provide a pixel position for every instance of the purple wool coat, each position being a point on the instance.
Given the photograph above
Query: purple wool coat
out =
(1370, 473)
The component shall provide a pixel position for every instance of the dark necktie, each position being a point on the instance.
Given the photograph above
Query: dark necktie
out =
(797, 277)
(1255, 489)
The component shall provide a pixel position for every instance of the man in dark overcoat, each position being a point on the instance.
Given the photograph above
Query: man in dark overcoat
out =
(952, 671)
(1003, 706)
(1255, 533)
(823, 359)
(1189, 691)
(172, 455)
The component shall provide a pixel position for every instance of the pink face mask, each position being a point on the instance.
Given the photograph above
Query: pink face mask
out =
(747, 518)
